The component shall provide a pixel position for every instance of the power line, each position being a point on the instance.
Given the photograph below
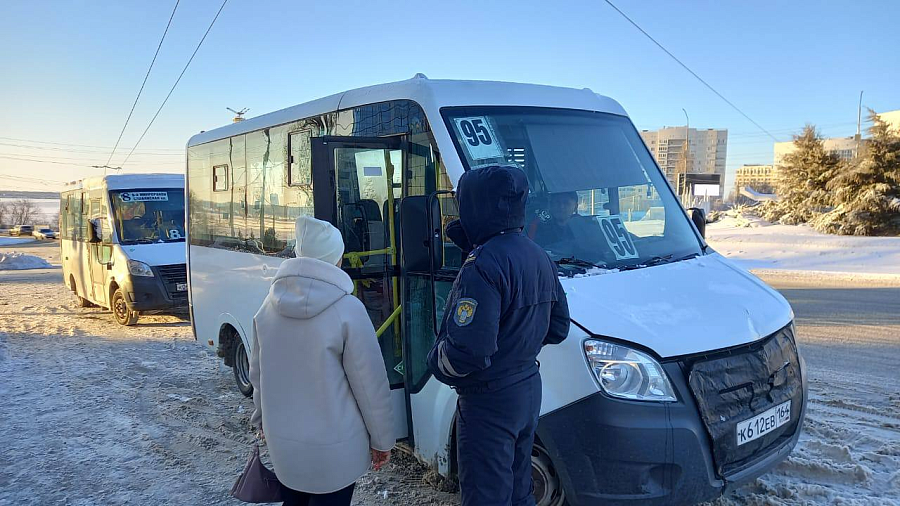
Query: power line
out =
(47, 161)
(86, 160)
(736, 108)
(104, 148)
(70, 150)
(176, 84)
(31, 179)
(143, 83)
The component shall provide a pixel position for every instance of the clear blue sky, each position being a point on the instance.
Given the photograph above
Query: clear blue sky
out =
(70, 70)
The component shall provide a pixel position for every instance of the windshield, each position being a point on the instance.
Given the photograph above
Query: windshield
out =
(148, 215)
(596, 196)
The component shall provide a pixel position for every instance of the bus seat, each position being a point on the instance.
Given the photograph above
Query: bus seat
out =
(370, 209)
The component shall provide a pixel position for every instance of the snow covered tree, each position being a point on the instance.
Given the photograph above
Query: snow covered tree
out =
(867, 194)
(802, 181)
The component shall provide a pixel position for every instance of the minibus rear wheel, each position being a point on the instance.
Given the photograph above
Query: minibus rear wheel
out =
(548, 490)
(241, 368)
(120, 310)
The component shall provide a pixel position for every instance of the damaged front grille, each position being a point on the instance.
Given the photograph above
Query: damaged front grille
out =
(733, 385)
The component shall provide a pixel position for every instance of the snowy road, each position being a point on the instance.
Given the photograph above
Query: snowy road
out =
(94, 414)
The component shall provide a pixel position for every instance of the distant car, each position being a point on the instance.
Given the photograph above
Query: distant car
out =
(44, 233)
(20, 230)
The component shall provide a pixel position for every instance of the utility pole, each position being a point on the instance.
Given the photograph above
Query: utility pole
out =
(686, 156)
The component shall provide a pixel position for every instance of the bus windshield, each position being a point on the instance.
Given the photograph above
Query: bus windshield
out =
(148, 215)
(596, 197)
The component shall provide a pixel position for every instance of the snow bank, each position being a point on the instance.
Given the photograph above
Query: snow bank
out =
(756, 244)
(20, 261)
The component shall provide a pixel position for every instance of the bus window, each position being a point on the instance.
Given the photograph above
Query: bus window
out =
(220, 178)
(300, 173)
(83, 224)
(368, 194)
(218, 181)
(273, 206)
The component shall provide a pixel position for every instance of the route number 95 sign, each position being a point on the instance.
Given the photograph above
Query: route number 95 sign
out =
(478, 138)
(617, 237)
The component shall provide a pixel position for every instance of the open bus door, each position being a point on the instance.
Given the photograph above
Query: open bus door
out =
(357, 184)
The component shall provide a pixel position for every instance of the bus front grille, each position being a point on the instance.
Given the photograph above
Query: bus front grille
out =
(174, 277)
(733, 385)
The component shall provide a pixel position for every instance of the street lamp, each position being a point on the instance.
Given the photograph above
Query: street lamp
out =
(687, 154)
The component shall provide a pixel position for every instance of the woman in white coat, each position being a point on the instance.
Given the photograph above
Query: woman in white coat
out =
(319, 384)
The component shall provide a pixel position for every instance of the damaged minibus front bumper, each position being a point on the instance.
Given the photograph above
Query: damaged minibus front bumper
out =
(617, 451)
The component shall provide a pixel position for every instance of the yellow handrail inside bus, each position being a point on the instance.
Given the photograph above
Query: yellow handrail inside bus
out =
(387, 323)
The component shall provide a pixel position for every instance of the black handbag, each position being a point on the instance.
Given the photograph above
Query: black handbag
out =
(256, 484)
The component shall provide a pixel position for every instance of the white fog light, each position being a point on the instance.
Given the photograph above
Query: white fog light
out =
(627, 373)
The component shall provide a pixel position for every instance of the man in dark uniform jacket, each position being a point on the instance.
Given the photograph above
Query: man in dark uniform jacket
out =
(505, 304)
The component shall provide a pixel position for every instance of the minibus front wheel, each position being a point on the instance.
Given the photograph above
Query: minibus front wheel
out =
(241, 368)
(123, 314)
(548, 490)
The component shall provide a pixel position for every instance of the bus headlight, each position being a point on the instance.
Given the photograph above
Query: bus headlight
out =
(626, 373)
(139, 269)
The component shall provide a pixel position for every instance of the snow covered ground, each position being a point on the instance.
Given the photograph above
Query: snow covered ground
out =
(758, 245)
(98, 414)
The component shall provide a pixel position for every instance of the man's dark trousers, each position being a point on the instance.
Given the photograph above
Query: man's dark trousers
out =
(495, 435)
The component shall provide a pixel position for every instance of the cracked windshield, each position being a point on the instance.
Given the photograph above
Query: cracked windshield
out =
(596, 200)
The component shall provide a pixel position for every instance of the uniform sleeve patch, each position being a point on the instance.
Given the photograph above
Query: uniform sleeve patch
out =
(465, 311)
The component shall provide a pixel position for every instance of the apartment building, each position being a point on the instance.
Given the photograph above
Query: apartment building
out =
(760, 178)
(706, 151)
(892, 118)
(846, 148)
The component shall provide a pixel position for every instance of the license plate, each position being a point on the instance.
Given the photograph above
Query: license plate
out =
(763, 423)
(181, 287)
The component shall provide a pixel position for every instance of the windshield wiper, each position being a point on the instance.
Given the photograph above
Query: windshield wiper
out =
(140, 241)
(578, 263)
(658, 260)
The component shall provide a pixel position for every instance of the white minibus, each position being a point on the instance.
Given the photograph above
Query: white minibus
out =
(122, 243)
(680, 378)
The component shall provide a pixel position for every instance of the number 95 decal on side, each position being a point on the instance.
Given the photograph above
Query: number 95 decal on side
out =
(617, 237)
(478, 137)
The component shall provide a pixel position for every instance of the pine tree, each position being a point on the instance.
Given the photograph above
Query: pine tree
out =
(867, 194)
(802, 181)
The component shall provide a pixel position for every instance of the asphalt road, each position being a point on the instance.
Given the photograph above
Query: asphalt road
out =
(846, 327)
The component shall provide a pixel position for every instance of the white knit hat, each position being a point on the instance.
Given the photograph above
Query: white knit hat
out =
(318, 239)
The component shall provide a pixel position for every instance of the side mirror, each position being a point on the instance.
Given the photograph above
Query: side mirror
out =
(698, 217)
(421, 239)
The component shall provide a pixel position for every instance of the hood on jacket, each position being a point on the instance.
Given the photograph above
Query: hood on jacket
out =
(491, 201)
(304, 287)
